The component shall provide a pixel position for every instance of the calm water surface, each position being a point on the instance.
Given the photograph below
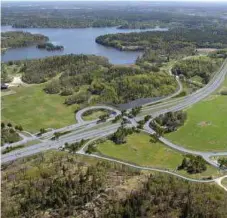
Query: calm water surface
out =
(76, 41)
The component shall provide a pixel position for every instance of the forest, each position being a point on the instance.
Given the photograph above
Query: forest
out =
(17, 39)
(104, 15)
(93, 79)
(170, 41)
(161, 47)
(60, 184)
(202, 67)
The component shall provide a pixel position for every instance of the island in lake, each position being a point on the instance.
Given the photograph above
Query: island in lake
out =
(18, 39)
(50, 46)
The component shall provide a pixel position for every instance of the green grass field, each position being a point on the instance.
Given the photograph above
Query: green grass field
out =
(139, 150)
(94, 115)
(210, 172)
(206, 126)
(32, 108)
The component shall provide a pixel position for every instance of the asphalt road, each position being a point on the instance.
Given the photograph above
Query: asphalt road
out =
(80, 113)
(187, 101)
(82, 124)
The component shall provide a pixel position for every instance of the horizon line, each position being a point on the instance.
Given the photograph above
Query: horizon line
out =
(156, 1)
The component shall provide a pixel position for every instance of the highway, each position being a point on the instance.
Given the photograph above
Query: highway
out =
(82, 125)
(55, 144)
(86, 131)
(87, 124)
(195, 97)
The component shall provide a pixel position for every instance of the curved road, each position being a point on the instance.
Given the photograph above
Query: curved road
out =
(80, 113)
(187, 101)
(219, 180)
(180, 88)
(81, 152)
(205, 155)
(82, 122)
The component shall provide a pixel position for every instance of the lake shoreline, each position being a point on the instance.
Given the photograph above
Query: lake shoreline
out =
(75, 41)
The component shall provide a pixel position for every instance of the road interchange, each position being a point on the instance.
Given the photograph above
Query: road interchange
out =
(86, 131)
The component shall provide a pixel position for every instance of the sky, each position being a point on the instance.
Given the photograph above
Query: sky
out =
(118, 0)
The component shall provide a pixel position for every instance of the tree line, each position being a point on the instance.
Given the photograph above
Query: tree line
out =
(89, 78)
(103, 16)
(172, 39)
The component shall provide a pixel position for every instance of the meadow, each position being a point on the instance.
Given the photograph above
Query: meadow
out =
(141, 151)
(206, 126)
(32, 108)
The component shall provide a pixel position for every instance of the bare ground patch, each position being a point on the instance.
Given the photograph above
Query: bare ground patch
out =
(204, 123)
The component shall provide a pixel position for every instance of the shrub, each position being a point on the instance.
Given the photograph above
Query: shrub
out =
(77, 98)
(66, 92)
(193, 164)
(52, 87)
(224, 92)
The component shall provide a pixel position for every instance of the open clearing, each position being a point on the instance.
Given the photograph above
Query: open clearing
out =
(139, 150)
(32, 108)
(16, 81)
(206, 126)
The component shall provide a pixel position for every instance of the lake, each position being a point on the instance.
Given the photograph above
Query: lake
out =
(75, 41)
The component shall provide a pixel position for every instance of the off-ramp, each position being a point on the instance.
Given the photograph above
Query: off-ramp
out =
(182, 104)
